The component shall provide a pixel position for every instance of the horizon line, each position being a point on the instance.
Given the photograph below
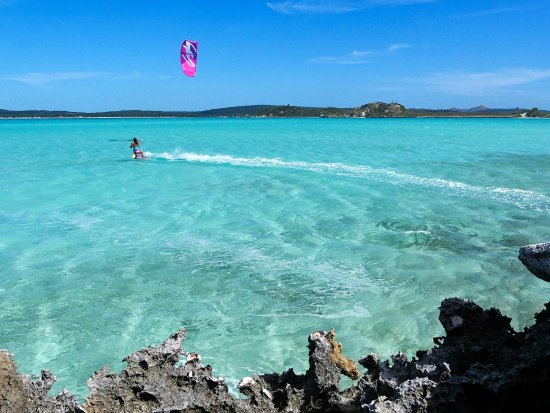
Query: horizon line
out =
(480, 107)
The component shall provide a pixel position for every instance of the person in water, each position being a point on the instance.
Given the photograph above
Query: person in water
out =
(135, 147)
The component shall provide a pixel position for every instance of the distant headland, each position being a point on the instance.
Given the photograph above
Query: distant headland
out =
(369, 110)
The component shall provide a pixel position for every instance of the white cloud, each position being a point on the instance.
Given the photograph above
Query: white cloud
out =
(294, 7)
(480, 83)
(39, 78)
(398, 46)
(334, 6)
(358, 56)
(503, 10)
(349, 60)
(132, 75)
(43, 78)
(490, 12)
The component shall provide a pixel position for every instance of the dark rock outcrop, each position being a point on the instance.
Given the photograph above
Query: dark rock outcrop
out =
(536, 257)
(480, 365)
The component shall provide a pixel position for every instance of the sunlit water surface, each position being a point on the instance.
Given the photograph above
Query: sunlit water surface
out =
(253, 233)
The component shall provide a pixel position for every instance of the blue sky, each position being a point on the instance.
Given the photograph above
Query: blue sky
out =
(86, 55)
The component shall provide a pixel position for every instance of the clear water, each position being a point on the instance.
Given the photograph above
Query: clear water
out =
(253, 233)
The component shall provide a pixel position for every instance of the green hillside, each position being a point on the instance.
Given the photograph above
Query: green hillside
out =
(369, 110)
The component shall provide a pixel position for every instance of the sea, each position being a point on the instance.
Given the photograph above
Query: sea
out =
(253, 233)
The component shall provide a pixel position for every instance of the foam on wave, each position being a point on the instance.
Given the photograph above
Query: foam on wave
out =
(518, 197)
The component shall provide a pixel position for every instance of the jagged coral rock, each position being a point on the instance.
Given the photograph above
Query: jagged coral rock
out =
(152, 382)
(323, 374)
(347, 366)
(20, 394)
(315, 391)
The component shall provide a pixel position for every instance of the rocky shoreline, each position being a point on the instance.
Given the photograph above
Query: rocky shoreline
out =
(480, 365)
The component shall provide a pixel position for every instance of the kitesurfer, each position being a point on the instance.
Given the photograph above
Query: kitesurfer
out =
(135, 147)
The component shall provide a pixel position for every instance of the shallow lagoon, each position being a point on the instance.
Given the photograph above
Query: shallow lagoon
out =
(252, 233)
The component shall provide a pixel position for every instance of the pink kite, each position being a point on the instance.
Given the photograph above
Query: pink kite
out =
(188, 57)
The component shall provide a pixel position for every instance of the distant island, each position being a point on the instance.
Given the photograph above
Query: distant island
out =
(369, 110)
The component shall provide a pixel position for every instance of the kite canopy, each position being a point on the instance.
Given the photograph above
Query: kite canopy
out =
(188, 57)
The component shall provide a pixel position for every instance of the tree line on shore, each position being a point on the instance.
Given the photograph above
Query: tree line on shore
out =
(369, 110)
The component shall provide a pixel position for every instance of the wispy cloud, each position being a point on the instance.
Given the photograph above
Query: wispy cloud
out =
(397, 46)
(503, 10)
(359, 56)
(480, 83)
(490, 12)
(40, 78)
(36, 78)
(334, 6)
(132, 75)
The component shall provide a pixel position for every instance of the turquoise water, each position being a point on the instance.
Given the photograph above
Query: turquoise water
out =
(252, 233)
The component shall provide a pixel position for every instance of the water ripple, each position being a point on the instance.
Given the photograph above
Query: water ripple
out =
(520, 198)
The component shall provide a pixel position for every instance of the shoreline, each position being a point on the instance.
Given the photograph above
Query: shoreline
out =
(368, 110)
(268, 117)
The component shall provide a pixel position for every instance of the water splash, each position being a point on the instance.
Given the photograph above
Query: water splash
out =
(521, 198)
